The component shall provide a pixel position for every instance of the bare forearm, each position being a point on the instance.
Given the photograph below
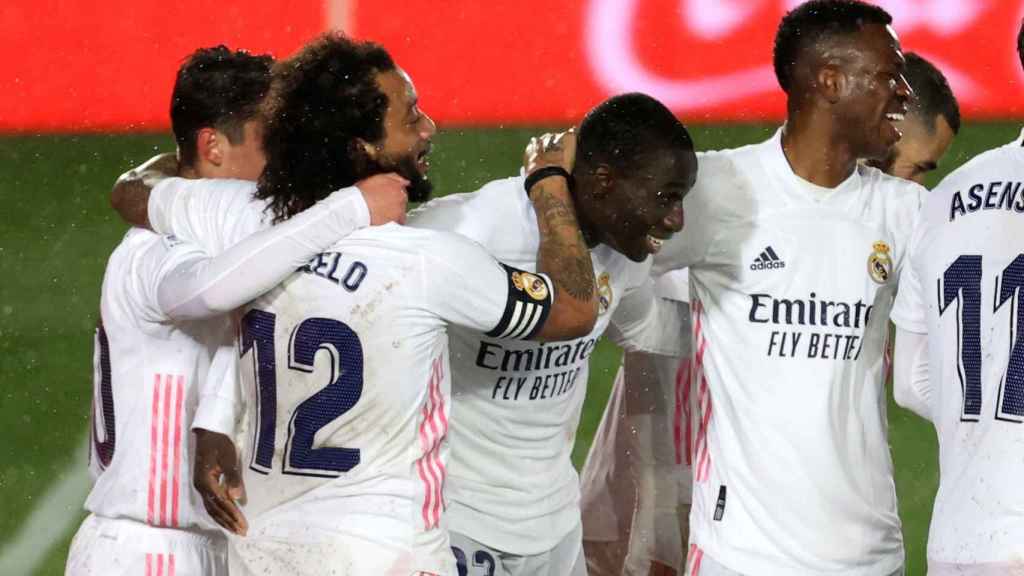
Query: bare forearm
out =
(563, 254)
(130, 196)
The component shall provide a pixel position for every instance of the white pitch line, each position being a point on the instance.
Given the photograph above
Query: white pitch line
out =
(58, 510)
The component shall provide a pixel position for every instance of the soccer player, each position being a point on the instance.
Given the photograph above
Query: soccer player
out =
(640, 462)
(513, 490)
(931, 123)
(151, 358)
(960, 358)
(347, 460)
(637, 479)
(794, 250)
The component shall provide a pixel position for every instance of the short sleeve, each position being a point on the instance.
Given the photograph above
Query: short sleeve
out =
(690, 246)
(159, 260)
(909, 311)
(214, 214)
(464, 285)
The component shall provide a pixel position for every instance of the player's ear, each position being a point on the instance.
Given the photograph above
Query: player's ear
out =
(605, 178)
(830, 82)
(209, 146)
(362, 153)
(365, 149)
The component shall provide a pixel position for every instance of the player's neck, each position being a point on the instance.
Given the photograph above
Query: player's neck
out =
(188, 171)
(591, 237)
(816, 153)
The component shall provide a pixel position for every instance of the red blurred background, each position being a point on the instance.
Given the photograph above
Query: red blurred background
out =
(76, 65)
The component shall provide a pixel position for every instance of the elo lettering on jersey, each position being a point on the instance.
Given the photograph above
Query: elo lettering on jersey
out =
(964, 288)
(512, 485)
(792, 284)
(346, 383)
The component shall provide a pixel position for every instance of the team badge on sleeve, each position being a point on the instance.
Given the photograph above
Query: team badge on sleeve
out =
(880, 263)
(529, 301)
(531, 284)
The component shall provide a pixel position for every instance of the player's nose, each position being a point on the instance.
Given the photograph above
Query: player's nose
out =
(903, 89)
(427, 128)
(675, 218)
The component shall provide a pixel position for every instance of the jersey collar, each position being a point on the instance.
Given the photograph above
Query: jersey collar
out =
(776, 160)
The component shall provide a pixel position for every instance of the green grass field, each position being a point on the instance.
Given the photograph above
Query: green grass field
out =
(56, 231)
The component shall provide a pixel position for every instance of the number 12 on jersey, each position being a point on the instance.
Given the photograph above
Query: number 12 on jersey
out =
(961, 283)
(344, 388)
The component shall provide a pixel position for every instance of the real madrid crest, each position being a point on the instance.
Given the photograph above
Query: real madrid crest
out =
(533, 286)
(880, 263)
(604, 292)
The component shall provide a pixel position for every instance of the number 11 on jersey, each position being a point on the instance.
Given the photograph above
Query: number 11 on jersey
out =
(962, 283)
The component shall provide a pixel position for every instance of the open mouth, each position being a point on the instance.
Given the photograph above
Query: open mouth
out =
(421, 160)
(893, 118)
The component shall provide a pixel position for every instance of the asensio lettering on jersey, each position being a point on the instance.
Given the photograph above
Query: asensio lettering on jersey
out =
(996, 195)
(959, 355)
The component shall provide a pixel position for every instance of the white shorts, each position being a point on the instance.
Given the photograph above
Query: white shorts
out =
(476, 559)
(699, 564)
(115, 547)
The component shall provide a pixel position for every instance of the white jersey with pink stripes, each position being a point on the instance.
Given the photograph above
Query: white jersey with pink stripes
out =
(517, 405)
(148, 373)
(346, 382)
(791, 288)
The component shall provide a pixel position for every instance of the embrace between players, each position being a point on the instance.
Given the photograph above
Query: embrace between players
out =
(362, 386)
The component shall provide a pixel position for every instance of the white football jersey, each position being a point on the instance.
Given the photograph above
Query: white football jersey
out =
(148, 373)
(791, 287)
(345, 377)
(512, 485)
(637, 481)
(339, 454)
(964, 287)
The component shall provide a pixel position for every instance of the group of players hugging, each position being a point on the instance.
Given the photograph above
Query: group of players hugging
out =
(295, 377)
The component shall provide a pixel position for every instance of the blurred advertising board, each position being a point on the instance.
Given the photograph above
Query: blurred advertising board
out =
(110, 66)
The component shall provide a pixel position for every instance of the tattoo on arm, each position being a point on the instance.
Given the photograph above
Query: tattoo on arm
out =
(563, 252)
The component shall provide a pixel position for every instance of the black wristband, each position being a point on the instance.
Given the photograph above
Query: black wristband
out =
(542, 173)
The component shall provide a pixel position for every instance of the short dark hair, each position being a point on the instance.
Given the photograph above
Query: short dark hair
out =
(323, 99)
(217, 88)
(932, 95)
(811, 22)
(622, 128)
(1020, 44)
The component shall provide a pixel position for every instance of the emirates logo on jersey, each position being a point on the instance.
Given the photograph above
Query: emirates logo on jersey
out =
(880, 263)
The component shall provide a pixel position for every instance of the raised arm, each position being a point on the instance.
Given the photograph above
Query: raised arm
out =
(186, 209)
(202, 287)
(563, 254)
